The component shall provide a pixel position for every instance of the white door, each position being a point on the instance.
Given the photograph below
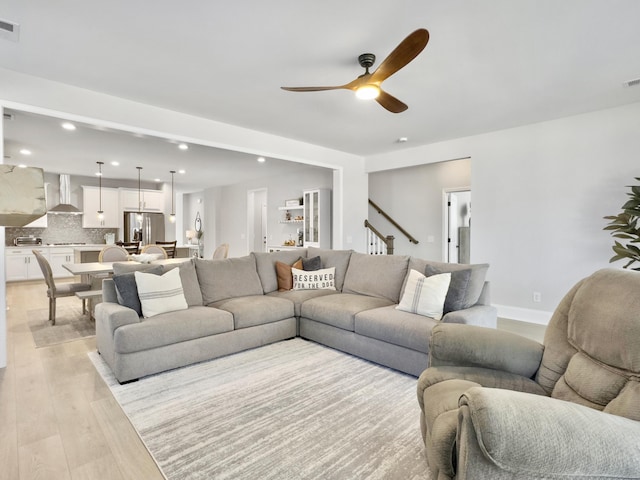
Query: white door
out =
(456, 218)
(452, 229)
(257, 220)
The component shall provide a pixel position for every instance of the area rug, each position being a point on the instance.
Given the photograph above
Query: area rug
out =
(70, 325)
(290, 410)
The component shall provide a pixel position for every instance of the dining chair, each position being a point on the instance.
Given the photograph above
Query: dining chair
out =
(153, 248)
(221, 251)
(62, 289)
(113, 253)
(170, 248)
(131, 247)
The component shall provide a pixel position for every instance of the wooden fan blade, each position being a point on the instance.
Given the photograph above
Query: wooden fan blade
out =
(390, 102)
(311, 89)
(406, 51)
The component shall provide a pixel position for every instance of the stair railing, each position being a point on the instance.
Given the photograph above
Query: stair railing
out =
(378, 244)
(393, 222)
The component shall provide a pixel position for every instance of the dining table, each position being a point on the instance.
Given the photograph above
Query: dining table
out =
(96, 269)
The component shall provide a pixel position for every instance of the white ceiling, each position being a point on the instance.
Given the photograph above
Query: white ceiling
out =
(489, 65)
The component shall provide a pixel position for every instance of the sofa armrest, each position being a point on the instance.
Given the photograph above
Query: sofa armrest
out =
(501, 435)
(480, 315)
(114, 315)
(472, 346)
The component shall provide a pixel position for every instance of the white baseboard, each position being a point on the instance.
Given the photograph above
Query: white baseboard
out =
(539, 317)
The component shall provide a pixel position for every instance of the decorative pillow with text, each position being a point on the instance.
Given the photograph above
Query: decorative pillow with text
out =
(323, 279)
(425, 295)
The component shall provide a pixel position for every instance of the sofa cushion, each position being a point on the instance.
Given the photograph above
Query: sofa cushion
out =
(395, 326)
(476, 279)
(127, 289)
(376, 275)
(323, 279)
(228, 278)
(333, 258)
(160, 293)
(256, 310)
(425, 295)
(189, 279)
(340, 309)
(284, 275)
(266, 265)
(170, 328)
(298, 297)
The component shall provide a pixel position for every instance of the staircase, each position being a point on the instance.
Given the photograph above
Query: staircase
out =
(378, 244)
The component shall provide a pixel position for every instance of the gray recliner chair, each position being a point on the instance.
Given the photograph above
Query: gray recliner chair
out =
(499, 406)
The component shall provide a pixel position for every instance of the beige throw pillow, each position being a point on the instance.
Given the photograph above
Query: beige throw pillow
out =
(425, 295)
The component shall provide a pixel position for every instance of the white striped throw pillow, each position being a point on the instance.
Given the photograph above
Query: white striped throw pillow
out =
(160, 293)
(425, 295)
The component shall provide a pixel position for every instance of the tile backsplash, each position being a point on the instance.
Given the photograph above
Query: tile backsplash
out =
(61, 229)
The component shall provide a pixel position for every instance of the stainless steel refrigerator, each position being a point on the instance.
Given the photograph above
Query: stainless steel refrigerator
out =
(148, 231)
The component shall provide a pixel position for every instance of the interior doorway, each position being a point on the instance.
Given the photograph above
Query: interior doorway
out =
(457, 225)
(257, 220)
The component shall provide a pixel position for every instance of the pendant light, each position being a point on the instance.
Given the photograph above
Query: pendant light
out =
(139, 216)
(172, 216)
(100, 212)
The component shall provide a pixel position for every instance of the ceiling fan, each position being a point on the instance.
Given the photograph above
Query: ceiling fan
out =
(367, 85)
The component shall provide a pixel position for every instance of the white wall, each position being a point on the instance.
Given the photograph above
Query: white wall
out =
(3, 285)
(412, 196)
(230, 205)
(539, 194)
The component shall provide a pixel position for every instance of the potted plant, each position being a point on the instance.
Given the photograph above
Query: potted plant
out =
(624, 226)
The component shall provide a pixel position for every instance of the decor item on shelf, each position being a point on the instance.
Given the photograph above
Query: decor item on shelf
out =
(100, 212)
(22, 195)
(295, 202)
(172, 215)
(190, 234)
(625, 227)
(367, 85)
(139, 216)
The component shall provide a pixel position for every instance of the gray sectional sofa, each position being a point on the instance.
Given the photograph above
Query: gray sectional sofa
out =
(235, 304)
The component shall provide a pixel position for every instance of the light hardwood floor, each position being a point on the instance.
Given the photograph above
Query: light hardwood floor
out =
(58, 419)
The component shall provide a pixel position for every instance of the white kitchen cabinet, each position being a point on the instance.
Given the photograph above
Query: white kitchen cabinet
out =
(21, 263)
(317, 218)
(150, 200)
(57, 257)
(91, 205)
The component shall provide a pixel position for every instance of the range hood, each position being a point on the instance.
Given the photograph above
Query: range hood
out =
(22, 196)
(65, 207)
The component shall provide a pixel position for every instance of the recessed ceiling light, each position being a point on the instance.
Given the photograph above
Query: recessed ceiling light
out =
(98, 174)
(403, 140)
(182, 171)
(156, 179)
(22, 165)
(68, 126)
(262, 159)
(183, 146)
(115, 163)
(24, 151)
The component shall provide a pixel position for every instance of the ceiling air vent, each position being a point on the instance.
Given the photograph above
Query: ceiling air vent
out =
(632, 83)
(9, 30)
(7, 116)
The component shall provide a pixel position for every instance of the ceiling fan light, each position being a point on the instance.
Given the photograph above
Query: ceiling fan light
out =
(368, 92)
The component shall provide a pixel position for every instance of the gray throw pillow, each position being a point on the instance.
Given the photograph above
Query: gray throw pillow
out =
(457, 293)
(127, 290)
(311, 264)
